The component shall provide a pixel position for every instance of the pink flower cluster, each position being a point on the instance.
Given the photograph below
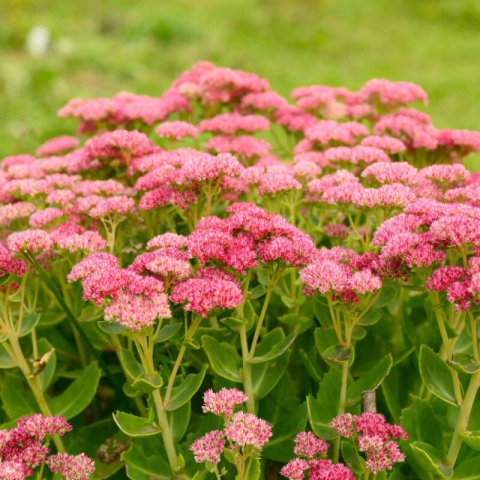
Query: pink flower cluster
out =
(241, 429)
(308, 449)
(374, 436)
(25, 447)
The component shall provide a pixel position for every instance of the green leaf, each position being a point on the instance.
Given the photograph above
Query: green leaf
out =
(300, 323)
(255, 470)
(5, 360)
(257, 292)
(143, 466)
(233, 322)
(129, 363)
(179, 420)
(436, 375)
(421, 424)
(468, 470)
(134, 426)
(472, 439)
(29, 322)
(371, 380)
(337, 354)
(273, 345)
(322, 409)
(266, 375)
(146, 384)
(78, 394)
(111, 327)
(465, 364)
(188, 387)
(351, 457)
(428, 457)
(284, 430)
(17, 399)
(167, 332)
(223, 358)
(371, 318)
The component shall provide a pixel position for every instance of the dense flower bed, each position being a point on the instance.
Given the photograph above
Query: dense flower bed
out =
(281, 260)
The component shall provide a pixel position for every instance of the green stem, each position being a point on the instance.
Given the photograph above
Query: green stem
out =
(32, 381)
(247, 370)
(189, 334)
(446, 343)
(258, 329)
(462, 419)
(145, 349)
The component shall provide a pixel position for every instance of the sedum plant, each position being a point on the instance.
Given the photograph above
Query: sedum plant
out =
(279, 256)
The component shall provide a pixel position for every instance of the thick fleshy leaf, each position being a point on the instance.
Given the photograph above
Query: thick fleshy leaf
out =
(186, 389)
(29, 322)
(134, 426)
(6, 360)
(370, 381)
(178, 420)
(78, 394)
(468, 470)
(428, 457)
(472, 439)
(266, 375)
(111, 327)
(146, 384)
(140, 464)
(223, 358)
(436, 375)
(17, 399)
(130, 365)
(167, 332)
(273, 345)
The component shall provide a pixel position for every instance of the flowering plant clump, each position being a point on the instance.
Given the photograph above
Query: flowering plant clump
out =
(288, 257)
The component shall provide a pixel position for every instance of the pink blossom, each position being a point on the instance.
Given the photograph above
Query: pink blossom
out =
(117, 205)
(88, 241)
(10, 265)
(443, 277)
(210, 168)
(328, 132)
(118, 145)
(397, 172)
(242, 145)
(230, 123)
(391, 94)
(446, 175)
(327, 470)
(223, 402)
(78, 467)
(274, 183)
(57, 145)
(15, 211)
(308, 445)
(265, 101)
(13, 470)
(356, 155)
(32, 241)
(336, 230)
(176, 130)
(295, 469)
(247, 429)
(43, 217)
(209, 448)
(209, 290)
(387, 143)
(167, 240)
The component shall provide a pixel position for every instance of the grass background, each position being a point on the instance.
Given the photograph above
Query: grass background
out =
(99, 47)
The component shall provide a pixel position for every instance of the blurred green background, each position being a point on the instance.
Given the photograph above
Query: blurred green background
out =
(99, 47)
